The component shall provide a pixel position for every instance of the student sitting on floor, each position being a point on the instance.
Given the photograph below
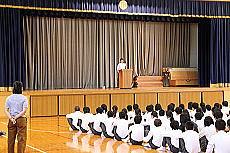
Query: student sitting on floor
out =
(155, 135)
(220, 142)
(73, 118)
(115, 113)
(135, 106)
(137, 131)
(98, 118)
(154, 116)
(225, 109)
(165, 121)
(121, 127)
(104, 108)
(178, 112)
(206, 133)
(86, 118)
(208, 111)
(147, 115)
(107, 128)
(191, 138)
(199, 121)
(130, 112)
(158, 108)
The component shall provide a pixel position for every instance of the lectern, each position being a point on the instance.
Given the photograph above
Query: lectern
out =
(125, 78)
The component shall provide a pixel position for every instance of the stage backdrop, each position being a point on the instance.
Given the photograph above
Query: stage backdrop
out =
(83, 53)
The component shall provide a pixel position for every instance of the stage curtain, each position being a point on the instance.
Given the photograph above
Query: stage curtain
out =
(11, 48)
(219, 53)
(80, 53)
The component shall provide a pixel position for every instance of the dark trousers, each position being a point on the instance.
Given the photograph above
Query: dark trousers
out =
(152, 145)
(135, 142)
(20, 130)
(70, 121)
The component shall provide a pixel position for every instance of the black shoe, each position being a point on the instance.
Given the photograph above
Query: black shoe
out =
(2, 133)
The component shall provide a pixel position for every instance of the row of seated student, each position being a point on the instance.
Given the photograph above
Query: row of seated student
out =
(199, 128)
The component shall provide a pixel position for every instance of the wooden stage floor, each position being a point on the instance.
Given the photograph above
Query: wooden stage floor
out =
(52, 135)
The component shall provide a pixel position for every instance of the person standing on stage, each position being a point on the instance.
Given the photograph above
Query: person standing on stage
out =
(15, 110)
(120, 66)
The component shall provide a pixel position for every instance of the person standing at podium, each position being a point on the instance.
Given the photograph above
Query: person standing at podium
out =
(120, 66)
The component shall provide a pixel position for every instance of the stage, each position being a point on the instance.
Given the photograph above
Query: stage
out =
(43, 103)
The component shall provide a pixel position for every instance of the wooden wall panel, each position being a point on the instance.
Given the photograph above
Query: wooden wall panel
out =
(68, 102)
(94, 101)
(145, 99)
(186, 97)
(166, 98)
(44, 106)
(2, 106)
(122, 100)
(227, 96)
(212, 97)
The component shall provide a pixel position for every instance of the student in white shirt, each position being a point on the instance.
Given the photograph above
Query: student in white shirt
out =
(137, 131)
(98, 118)
(121, 65)
(207, 132)
(85, 119)
(199, 120)
(130, 112)
(208, 110)
(220, 142)
(121, 127)
(155, 135)
(147, 115)
(190, 108)
(104, 107)
(154, 116)
(178, 112)
(158, 108)
(108, 125)
(73, 118)
(225, 109)
(194, 107)
(115, 113)
(191, 138)
(165, 121)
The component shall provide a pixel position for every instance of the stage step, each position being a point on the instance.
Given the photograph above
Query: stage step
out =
(149, 81)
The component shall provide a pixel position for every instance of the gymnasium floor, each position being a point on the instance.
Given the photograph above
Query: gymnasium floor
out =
(52, 135)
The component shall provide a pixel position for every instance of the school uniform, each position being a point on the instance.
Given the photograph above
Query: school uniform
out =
(86, 119)
(96, 128)
(208, 132)
(172, 138)
(200, 124)
(147, 116)
(121, 66)
(109, 125)
(225, 110)
(176, 117)
(73, 119)
(165, 122)
(208, 113)
(219, 142)
(122, 130)
(131, 115)
(155, 137)
(151, 123)
(191, 139)
(136, 134)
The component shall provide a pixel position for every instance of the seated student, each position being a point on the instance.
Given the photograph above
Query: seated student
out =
(194, 107)
(158, 108)
(104, 107)
(165, 121)
(206, 133)
(155, 135)
(183, 119)
(150, 122)
(208, 111)
(2, 133)
(182, 106)
(174, 134)
(73, 118)
(125, 111)
(199, 121)
(147, 115)
(107, 131)
(217, 114)
(135, 106)
(137, 131)
(115, 113)
(130, 112)
(121, 127)
(86, 118)
(98, 118)
(190, 108)
(191, 138)
(219, 143)
(177, 114)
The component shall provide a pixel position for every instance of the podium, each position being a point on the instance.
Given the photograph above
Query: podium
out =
(125, 78)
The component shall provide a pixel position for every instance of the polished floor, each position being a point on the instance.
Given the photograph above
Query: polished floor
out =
(52, 135)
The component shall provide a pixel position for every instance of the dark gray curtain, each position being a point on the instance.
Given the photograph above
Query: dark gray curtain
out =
(83, 53)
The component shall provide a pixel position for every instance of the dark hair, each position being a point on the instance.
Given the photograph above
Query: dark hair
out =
(169, 113)
(135, 106)
(129, 107)
(157, 122)
(199, 110)
(174, 125)
(122, 59)
(208, 107)
(137, 111)
(228, 123)
(189, 125)
(185, 111)
(99, 110)
(17, 87)
(208, 121)
(170, 107)
(161, 112)
(178, 110)
(154, 114)
(122, 115)
(190, 105)
(202, 104)
(225, 103)
(203, 108)
(77, 108)
(124, 110)
(86, 110)
(149, 108)
(104, 107)
(158, 107)
(114, 108)
(220, 124)
(181, 106)
(137, 119)
(110, 114)
(199, 115)
(184, 118)
(195, 105)
(217, 105)
(218, 114)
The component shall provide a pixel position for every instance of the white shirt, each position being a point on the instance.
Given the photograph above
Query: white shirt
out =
(208, 131)
(98, 118)
(131, 115)
(165, 122)
(147, 116)
(121, 66)
(191, 139)
(122, 127)
(225, 110)
(220, 142)
(177, 117)
(75, 116)
(109, 124)
(86, 119)
(151, 123)
(208, 113)
(175, 135)
(137, 132)
(200, 124)
(157, 133)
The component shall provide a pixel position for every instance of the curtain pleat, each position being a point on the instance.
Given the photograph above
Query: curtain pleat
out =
(83, 53)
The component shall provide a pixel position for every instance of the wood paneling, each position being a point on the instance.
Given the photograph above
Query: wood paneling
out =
(94, 101)
(186, 97)
(166, 98)
(227, 96)
(212, 97)
(122, 100)
(2, 106)
(68, 102)
(44, 106)
(145, 99)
